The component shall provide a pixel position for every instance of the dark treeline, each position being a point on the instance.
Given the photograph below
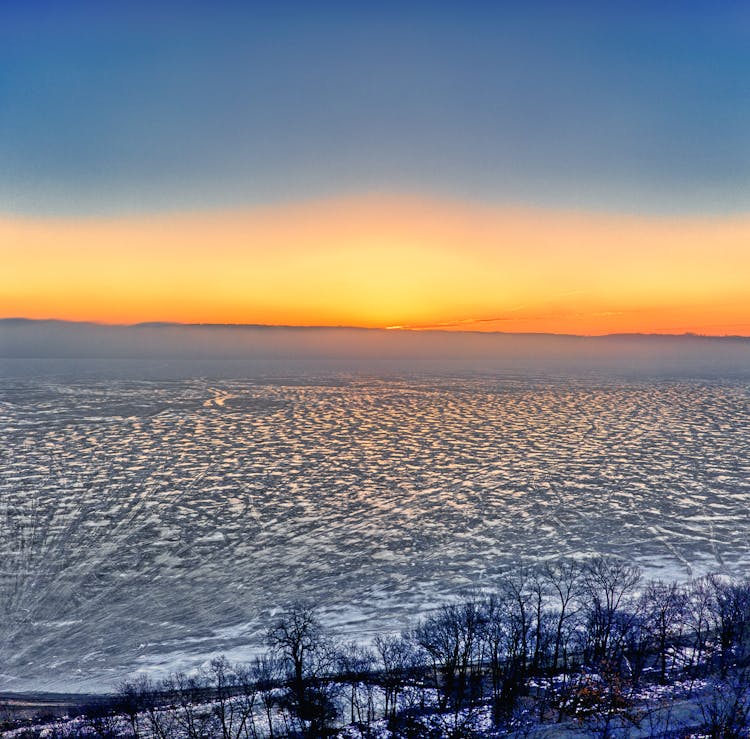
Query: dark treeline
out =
(560, 643)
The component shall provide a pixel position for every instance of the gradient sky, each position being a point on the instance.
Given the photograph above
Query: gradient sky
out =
(575, 167)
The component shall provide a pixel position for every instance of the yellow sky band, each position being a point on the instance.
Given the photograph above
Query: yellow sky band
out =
(386, 261)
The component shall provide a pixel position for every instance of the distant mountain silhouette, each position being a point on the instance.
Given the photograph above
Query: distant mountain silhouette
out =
(26, 338)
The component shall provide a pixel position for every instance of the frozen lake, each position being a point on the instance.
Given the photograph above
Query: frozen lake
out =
(148, 522)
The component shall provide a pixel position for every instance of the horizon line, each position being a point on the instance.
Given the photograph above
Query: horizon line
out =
(388, 329)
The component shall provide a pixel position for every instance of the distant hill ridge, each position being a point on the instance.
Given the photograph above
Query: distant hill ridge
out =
(23, 337)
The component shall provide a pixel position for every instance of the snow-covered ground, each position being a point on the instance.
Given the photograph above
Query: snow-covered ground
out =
(150, 524)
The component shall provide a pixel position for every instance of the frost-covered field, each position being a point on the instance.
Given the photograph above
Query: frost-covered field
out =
(148, 524)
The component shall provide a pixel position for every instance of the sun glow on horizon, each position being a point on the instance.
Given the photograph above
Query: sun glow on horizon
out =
(380, 262)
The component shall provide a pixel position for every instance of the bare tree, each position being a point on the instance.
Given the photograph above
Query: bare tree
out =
(297, 638)
(731, 604)
(233, 697)
(607, 583)
(494, 636)
(451, 638)
(516, 596)
(565, 584)
(514, 616)
(354, 665)
(663, 608)
(130, 701)
(397, 659)
(267, 673)
(100, 720)
(699, 609)
(141, 701)
(726, 707)
(187, 698)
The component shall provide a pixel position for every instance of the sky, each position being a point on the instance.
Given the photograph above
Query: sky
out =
(569, 168)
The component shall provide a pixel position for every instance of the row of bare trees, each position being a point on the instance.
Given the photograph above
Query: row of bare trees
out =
(565, 636)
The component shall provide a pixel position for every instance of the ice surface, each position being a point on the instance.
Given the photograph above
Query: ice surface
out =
(150, 524)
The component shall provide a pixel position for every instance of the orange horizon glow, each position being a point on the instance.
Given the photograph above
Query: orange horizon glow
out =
(379, 262)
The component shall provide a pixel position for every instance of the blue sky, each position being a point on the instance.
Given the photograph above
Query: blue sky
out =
(119, 108)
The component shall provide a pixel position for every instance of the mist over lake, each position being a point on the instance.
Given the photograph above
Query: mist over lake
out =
(155, 513)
